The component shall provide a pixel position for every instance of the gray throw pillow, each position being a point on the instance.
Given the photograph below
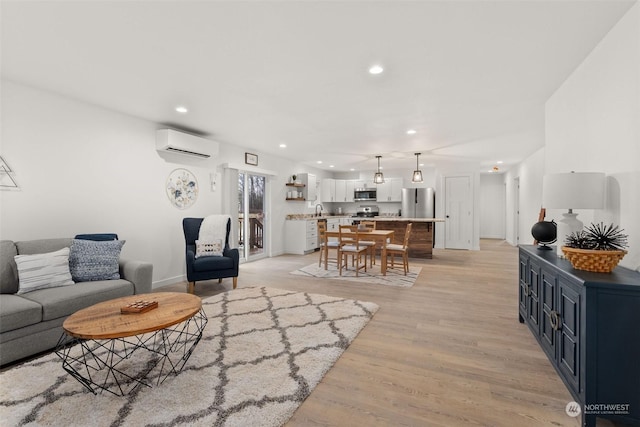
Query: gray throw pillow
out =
(95, 260)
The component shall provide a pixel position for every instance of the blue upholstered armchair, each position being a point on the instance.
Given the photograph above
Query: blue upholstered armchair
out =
(208, 267)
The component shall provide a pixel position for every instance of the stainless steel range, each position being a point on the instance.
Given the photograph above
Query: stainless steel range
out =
(367, 211)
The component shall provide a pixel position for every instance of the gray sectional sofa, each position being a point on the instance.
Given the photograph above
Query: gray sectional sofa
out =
(32, 322)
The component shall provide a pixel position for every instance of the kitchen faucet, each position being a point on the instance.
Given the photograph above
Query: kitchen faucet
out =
(318, 214)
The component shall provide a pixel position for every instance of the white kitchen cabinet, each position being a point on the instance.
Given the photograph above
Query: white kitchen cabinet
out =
(390, 191)
(309, 181)
(350, 186)
(341, 190)
(301, 236)
(333, 224)
(346, 221)
(338, 190)
(328, 190)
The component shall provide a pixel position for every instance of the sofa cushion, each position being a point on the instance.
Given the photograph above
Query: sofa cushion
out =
(58, 302)
(208, 263)
(8, 269)
(17, 312)
(95, 260)
(40, 271)
(42, 246)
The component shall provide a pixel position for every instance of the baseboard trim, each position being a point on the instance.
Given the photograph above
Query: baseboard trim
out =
(169, 281)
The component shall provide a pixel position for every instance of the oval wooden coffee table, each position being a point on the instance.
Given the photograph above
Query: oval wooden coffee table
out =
(107, 355)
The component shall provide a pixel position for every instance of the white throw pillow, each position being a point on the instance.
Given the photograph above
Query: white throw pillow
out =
(40, 271)
(209, 248)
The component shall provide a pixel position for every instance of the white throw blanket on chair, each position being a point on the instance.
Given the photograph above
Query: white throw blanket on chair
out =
(214, 227)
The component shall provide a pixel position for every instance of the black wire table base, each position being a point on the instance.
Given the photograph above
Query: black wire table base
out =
(119, 366)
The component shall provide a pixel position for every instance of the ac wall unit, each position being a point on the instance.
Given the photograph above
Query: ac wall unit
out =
(173, 141)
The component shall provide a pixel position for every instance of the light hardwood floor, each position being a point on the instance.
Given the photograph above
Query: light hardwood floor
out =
(448, 351)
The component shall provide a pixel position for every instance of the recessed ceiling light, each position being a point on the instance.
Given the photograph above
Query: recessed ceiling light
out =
(352, 169)
(376, 69)
(331, 166)
(411, 132)
(181, 109)
(499, 162)
(283, 145)
(319, 162)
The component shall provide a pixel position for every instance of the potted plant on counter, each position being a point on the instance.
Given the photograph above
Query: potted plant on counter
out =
(597, 248)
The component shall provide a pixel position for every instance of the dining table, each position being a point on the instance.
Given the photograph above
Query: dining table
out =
(378, 236)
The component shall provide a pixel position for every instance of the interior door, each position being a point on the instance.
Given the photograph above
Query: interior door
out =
(251, 215)
(458, 212)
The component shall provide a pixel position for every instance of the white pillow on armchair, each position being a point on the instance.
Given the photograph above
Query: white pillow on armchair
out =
(209, 247)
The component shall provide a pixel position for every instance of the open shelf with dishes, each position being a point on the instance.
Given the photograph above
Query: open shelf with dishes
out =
(295, 195)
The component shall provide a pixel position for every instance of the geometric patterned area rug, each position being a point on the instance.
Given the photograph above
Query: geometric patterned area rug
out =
(262, 353)
(394, 277)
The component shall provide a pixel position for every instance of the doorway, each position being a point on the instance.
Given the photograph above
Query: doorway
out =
(458, 212)
(252, 236)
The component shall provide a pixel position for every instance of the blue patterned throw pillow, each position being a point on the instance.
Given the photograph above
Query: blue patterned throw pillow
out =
(95, 260)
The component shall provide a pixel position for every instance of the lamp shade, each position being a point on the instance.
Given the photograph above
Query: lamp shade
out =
(574, 190)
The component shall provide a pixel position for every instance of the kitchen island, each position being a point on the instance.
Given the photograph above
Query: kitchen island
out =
(421, 240)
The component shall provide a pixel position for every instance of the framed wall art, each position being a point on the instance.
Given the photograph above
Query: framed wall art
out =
(182, 188)
(251, 159)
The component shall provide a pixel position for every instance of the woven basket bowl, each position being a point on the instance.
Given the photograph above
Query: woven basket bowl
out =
(593, 260)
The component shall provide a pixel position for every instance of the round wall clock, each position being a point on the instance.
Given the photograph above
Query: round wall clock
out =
(182, 188)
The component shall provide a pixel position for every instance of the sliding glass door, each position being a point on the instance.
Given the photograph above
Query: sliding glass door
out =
(251, 215)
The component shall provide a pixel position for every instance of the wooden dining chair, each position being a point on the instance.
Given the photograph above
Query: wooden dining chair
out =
(350, 245)
(371, 244)
(326, 245)
(401, 250)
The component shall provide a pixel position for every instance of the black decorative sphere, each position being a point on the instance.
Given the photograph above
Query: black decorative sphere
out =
(544, 232)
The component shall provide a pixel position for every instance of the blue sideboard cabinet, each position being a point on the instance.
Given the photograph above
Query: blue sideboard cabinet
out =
(588, 324)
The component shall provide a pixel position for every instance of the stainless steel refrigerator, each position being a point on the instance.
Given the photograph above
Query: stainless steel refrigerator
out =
(418, 203)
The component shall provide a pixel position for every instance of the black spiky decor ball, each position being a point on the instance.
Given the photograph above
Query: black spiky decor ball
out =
(578, 240)
(598, 237)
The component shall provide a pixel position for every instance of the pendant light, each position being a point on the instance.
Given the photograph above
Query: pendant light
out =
(378, 177)
(417, 174)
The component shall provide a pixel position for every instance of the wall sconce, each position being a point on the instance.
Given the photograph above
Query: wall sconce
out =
(378, 177)
(570, 191)
(417, 174)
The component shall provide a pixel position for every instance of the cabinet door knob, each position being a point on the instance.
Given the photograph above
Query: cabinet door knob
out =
(554, 319)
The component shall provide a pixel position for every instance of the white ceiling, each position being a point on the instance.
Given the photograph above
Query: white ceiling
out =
(471, 77)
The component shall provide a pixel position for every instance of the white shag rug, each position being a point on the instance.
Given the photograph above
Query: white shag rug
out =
(373, 275)
(262, 353)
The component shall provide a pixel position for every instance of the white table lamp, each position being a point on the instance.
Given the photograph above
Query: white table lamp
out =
(582, 190)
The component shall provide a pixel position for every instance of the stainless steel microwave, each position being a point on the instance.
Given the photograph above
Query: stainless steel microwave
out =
(364, 194)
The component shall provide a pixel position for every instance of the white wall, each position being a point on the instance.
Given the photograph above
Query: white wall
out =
(84, 169)
(593, 125)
